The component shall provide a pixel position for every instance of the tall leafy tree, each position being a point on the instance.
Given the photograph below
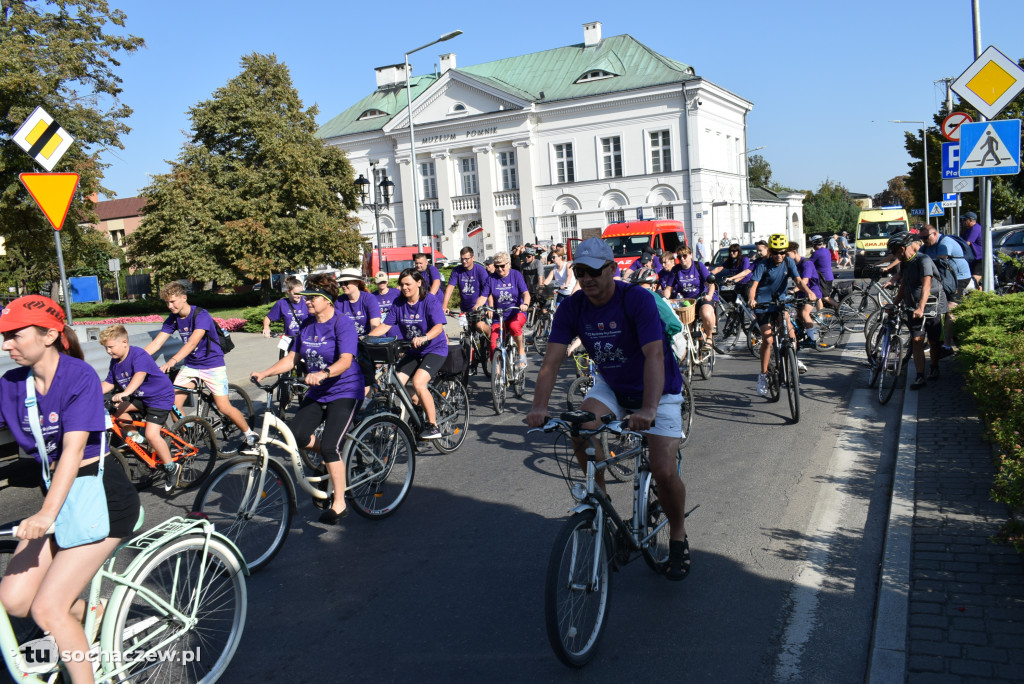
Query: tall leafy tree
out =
(253, 191)
(759, 171)
(896, 193)
(61, 56)
(830, 210)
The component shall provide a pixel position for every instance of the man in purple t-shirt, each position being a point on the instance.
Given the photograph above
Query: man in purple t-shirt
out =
(822, 259)
(429, 272)
(470, 278)
(622, 330)
(970, 231)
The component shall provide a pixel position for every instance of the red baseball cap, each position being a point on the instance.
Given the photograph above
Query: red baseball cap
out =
(32, 310)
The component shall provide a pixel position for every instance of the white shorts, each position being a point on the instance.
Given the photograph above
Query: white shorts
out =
(668, 422)
(214, 378)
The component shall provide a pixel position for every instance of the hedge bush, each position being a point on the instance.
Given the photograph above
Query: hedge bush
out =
(138, 307)
(990, 328)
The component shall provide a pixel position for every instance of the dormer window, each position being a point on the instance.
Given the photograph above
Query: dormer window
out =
(457, 108)
(595, 75)
(371, 114)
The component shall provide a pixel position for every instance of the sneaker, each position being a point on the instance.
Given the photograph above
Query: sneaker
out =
(918, 383)
(171, 475)
(801, 367)
(251, 438)
(430, 431)
(762, 385)
(945, 351)
(933, 374)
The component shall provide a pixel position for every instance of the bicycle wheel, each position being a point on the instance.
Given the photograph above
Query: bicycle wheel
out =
(468, 361)
(891, 366)
(380, 462)
(204, 581)
(577, 590)
(774, 384)
(451, 404)
(25, 629)
(483, 349)
(140, 474)
(792, 380)
(655, 549)
(754, 340)
(518, 378)
(707, 359)
(312, 459)
(873, 336)
(728, 332)
(876, 366)
(256, 520)
(830, 328)
(856, 308)
(498, 384)
(687, 409)
(578, 391)
(197, 454)
(226, 431)
(540, 337)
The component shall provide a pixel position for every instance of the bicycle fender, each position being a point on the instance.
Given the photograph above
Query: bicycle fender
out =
(583, 506)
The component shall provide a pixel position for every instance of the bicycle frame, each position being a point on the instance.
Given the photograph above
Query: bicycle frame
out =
(179, 447)
(146, 545)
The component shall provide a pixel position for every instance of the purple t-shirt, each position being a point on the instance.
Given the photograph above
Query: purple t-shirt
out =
(73, 404)
(972, 236)
(807, 269)
(157, 390)
(361, 311)
(507, 292)
(208, 353)
(615, 339)
(293, 314)
(690, 282)
(731, 267)
(320, 345)
(384, 301)
(430, 274)
(822, 259)
(655, 264)
(471, 283)
(666, 278)
(415, 320)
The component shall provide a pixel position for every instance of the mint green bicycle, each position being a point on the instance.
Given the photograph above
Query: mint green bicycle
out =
(175, 612)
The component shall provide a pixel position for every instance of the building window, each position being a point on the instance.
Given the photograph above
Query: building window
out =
(378, 177)
(611, 157)
(565, 170)
(568, 225)
(117, 237)
(507, 164)
(661, 152)
(615, 216)
(595, 75)
(664, 212)
(513, 233)
(429, 176)
(371, 114)
(469, 184)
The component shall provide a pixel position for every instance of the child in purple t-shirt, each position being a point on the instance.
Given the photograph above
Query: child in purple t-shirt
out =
(291, 309)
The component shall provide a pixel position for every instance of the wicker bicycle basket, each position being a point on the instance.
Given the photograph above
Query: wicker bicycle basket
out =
(687, 314)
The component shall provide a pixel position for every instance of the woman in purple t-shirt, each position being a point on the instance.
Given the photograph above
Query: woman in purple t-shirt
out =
(43, 579)
(420, 318)
(327, 343)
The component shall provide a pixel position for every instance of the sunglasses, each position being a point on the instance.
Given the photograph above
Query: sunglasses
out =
(580, 270)
(500, 265)
(734, 251)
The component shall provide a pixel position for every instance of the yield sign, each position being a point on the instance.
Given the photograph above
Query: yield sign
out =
(951, 125)
(53, 193)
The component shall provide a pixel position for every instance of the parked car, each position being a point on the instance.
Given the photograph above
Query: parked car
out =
(749, 251)
(1011, 242)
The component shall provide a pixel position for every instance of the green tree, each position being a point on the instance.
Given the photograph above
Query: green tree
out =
(57, 55)
(759, 171)
(830, 210)
(896, 193)
(253, 191)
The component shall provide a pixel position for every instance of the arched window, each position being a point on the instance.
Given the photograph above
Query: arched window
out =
(594, 75)
(458, 108)
(796, 224)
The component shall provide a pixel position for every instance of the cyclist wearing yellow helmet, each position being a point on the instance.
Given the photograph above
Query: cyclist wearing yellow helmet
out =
(770, 279)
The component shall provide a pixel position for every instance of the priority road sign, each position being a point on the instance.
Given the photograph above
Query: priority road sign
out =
(990, 148)
(43, 139)
(951, 125)
(935, 209)
(991, 82)
(950, 160)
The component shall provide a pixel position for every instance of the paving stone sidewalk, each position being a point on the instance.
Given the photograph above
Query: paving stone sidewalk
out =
(966, 613)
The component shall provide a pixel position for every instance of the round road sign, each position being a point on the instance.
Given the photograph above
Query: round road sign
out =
(952, 123)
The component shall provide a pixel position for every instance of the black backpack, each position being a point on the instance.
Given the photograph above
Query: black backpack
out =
(947, 275)
(965, 246)
(223, 336)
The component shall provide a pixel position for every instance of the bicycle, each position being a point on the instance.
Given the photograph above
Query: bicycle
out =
(782, 364)
(888, 362)
(733, 321)
(476, 346)
(201, 401)
(252, 497)
(191, 442)
(505, 370)
(856, 307)
(182, 589)
(698, 352)
(828, 323)
(451, 401)
(544, 318)
(595, 540)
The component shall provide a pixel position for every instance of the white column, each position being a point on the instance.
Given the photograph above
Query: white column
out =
(524, 171)
(442, 161)
(407, 176)
(485, 181)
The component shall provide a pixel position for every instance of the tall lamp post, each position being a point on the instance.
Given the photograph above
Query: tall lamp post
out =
(747, 176)
(924, 143)
(412, 132)
(380, 203)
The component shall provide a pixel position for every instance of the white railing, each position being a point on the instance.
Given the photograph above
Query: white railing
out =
(506, 198)
(429, 204)
(465, 203)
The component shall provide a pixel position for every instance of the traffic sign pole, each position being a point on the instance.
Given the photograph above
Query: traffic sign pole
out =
(63, 278)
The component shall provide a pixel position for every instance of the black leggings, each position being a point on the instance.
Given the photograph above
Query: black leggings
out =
(337, 417)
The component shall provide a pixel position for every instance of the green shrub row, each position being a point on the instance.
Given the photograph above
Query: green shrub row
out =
(150, 305)
(990, 329)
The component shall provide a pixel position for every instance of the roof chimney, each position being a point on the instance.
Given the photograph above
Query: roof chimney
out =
(447, 62)
(391, 74)
(591, 33)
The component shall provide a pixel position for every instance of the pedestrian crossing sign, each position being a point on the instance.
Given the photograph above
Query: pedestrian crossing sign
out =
(990, 148)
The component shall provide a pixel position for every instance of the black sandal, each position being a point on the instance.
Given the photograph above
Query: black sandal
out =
(678, 566)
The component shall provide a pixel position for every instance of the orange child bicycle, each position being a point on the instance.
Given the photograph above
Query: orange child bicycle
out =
(191, 442)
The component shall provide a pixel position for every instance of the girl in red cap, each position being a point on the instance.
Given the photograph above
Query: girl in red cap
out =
(44, 580)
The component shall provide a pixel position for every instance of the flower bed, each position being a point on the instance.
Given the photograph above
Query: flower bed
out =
(229, 324)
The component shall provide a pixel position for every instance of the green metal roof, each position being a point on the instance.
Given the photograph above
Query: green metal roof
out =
(545, 76)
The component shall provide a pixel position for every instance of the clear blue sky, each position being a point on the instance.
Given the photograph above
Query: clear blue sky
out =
(824, 76)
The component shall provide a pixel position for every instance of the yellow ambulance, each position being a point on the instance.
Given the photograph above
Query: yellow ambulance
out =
(874, 229)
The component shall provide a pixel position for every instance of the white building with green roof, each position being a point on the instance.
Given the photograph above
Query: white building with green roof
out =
(552, 145)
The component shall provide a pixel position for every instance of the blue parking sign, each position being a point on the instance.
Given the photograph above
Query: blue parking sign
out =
(950, 160)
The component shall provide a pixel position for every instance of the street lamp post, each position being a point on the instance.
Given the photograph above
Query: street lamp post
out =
(924, 142)
(412, 131)
(380, 203)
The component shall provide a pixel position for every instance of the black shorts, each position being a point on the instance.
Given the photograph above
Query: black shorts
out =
(409, 364)
(921, 327)
(703, 302)
(122, 500)
(976, 268)
(961, 287)
(149, 414)
(826, 288)
(337, 418)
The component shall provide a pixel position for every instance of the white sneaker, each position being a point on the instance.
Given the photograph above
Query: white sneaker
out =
(762, 385)
(801, 367)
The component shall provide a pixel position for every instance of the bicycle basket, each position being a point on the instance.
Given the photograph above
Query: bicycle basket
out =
(473, 317)
(455, 362)
(687, 314)
(381, 349)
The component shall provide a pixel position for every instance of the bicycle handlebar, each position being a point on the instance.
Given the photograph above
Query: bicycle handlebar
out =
(13, 531)
(570, 422)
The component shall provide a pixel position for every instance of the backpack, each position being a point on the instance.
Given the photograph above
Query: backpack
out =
(223, 336)
(965, 246)
(947, 275)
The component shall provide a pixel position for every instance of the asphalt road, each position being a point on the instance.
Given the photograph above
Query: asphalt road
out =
(786, 529)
